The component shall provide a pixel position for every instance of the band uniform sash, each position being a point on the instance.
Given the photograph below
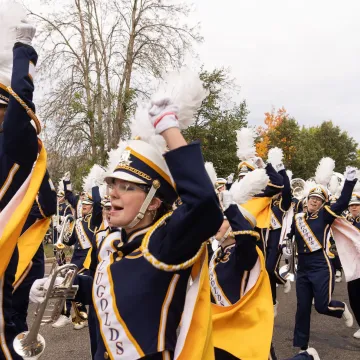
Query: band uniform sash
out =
(117, 339)
(274, 222)
(260, 208)
(347, 239)
(251, 319)
(14, 215)
(84, 241)
(195, 338)
(306, 233)
(216, 290)
(29, 243)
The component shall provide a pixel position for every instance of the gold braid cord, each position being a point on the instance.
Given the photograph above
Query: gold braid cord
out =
(246, 232)
(28, 110)
(158, 264)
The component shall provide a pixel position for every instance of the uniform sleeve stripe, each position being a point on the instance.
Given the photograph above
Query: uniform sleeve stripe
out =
(9, 180)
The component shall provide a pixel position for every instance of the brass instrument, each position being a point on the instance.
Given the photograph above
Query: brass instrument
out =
(298, 187)
(79, 316)
(66, 231)
(30, 345)
(288, 271)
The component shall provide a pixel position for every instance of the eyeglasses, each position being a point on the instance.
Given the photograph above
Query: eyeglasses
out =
(123, 188)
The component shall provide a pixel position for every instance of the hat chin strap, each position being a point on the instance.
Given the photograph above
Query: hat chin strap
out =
(155, 185)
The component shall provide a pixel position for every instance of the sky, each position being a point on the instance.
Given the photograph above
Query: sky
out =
(300, 54)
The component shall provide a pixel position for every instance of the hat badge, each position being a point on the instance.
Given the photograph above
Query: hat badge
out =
(125, 158)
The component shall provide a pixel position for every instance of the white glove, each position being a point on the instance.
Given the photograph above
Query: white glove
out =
(286, 252)
(67, 176)
(230, 178)
(163, 115)
(37, 292)
(226, 198)
(259, 163)
(280, 167)
(39, 288)
(25, 32)
(350, 173)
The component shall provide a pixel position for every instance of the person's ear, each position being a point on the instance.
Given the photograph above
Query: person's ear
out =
(155, 204)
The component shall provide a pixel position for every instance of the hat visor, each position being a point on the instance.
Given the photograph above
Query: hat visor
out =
(124, 176)
(87, 202)
(355, 202)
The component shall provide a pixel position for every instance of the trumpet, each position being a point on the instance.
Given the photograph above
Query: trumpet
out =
(30, 345)
(288, 270)
(298, 186)
(66, 231)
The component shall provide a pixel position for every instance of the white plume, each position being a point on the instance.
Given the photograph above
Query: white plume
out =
(309, 184)
(11, 14)
(141, 127)
(94, 178)
(275, 157)
(186, 90)
(245, 142)
(253, 183)
(211, 172)
(289, 173)
(114, 156)
(340, 188)
(324, 171)
(333, 184)
(103, 190)
(61, 185)
(357, 185)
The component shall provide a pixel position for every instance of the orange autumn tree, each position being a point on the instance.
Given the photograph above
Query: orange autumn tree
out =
(272, 121)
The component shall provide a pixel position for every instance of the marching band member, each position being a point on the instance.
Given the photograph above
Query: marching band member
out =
(19, 149)
(354, 285)
(44, 207)
(154, 260)
(82, 234)
(240, 289)
(314, 274)
(279, 206)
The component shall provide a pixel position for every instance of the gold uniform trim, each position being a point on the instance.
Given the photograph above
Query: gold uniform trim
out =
(246, 232)
(275, 186)
(157, 263)
(133, 170)
(327, 208)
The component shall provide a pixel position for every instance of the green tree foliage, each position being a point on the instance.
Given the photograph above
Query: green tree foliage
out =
(304, 147)
(217, 121)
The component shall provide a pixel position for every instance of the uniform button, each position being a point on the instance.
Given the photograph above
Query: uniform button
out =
(106, 355)
(120, 255)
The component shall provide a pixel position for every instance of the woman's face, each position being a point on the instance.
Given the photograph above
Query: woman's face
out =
(86, 209)
(354, 210)
(314, 204)
(126, 200)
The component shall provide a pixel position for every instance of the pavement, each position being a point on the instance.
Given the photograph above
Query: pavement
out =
(329, 336)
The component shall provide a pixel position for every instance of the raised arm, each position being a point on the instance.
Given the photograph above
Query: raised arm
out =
(20, 139)
(245, 237)
(96, 217)
(286, 192)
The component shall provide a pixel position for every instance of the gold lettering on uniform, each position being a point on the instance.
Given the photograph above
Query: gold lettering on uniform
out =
(103, 304)
(99, 276)
(97, 291)
(114, 334)
(119, 348)
(107, 317)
